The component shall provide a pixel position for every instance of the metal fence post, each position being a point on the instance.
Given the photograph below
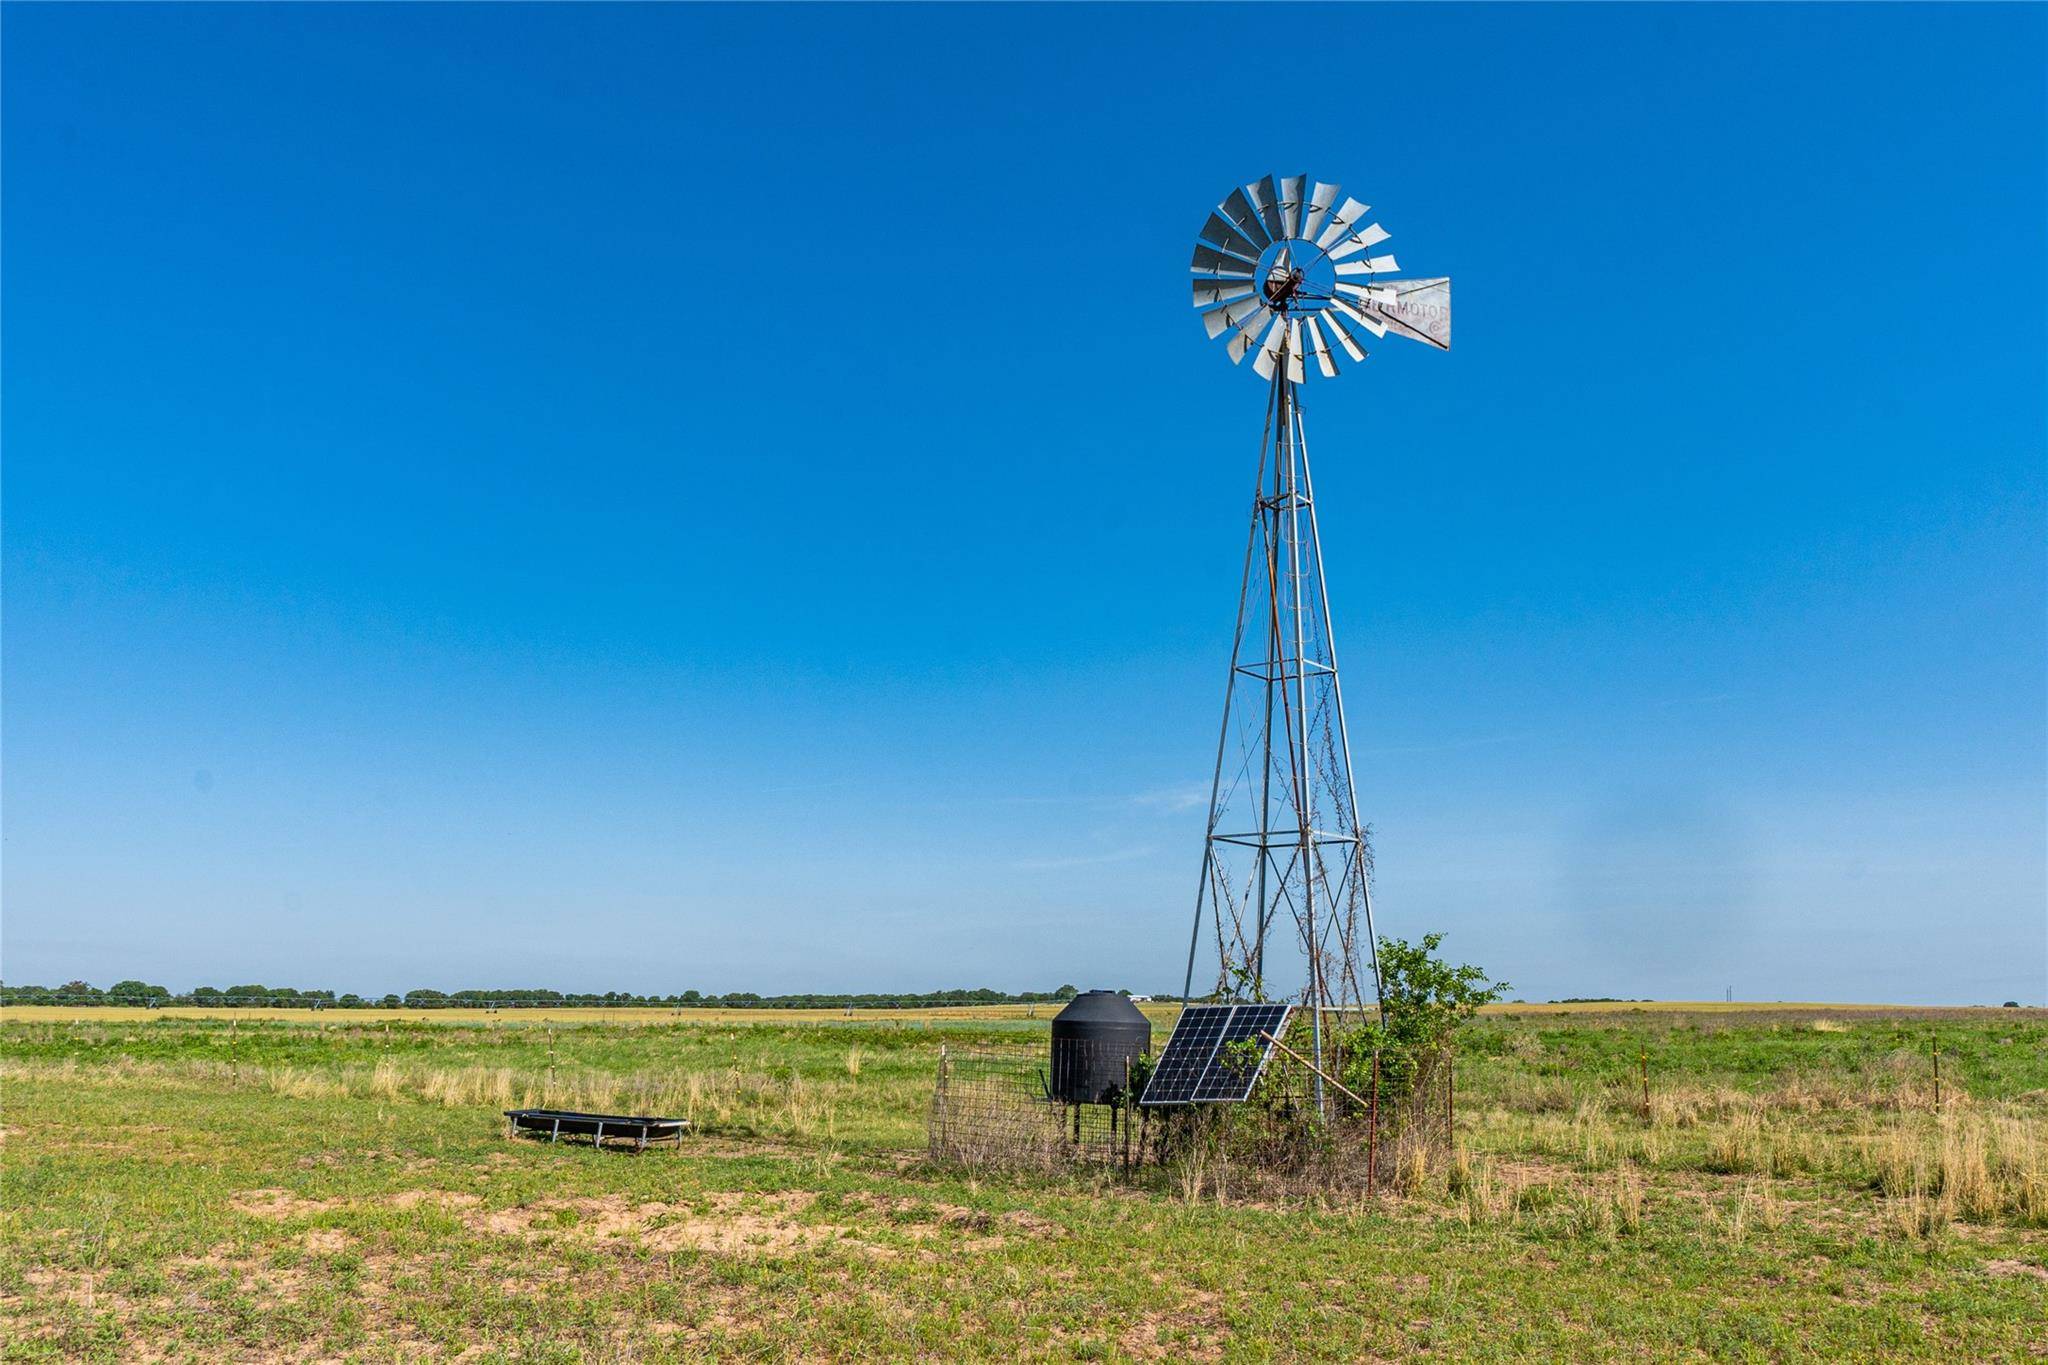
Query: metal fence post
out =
(942, 1136)
(1126, 1099)
(1372, 1132)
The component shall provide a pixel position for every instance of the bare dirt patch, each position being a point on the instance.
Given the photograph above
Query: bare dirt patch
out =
(277, 1206)
(921, 1217)
(274, 1205)
(735, 1223)
(1191, 1331)
(2022, 1268)
(445, 1199)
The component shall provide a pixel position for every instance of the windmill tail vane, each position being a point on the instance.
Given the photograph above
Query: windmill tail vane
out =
(1288, 272)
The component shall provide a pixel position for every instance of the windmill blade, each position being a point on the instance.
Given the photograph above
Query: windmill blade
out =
(1343, 335)
(1269, 348)
(1209, 293)
(1253, 322)
(1357, 314)
(1267, 200)
(1241, 315)
(1294, 353)
(1241, 215)
(1371, 265)
(1319, 201)
(1218, 233)
(1348, 215)
(1324, 362)
(1290, 203)
(1372, 234)
(1239, 346)
(1366, 293)
(1209, 261)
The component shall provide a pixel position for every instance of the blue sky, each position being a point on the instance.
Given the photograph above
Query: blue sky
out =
(661, 498)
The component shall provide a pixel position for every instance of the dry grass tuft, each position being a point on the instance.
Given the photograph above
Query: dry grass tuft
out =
(1962, 1165)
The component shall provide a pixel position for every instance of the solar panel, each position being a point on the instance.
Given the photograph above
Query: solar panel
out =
(1200, 1067)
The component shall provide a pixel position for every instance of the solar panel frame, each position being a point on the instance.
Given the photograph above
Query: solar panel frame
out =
(1193, 1070)
(1223, 1083)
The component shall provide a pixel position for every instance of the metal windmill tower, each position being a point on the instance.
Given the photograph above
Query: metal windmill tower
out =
(1283, 276)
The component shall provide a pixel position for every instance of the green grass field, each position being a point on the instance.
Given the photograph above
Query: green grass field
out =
(328, 1186)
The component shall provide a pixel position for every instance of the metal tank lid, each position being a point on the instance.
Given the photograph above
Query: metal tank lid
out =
(1101, 1007)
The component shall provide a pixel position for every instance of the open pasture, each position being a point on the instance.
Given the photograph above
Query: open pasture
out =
(544, 1014)
(1161, 1012)
(339, 1186)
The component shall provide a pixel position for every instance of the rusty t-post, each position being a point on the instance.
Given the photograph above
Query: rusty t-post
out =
(1645, 1062)
(1937, 1075)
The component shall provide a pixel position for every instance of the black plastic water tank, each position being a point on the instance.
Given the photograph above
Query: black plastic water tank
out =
(1094, 1040)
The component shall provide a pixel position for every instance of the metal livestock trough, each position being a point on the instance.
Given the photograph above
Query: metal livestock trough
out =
(557, 1124)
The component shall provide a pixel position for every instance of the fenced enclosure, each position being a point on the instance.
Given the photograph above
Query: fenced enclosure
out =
(993, 1108)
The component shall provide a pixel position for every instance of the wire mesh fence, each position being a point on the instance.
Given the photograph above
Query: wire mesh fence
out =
(1000, 1107)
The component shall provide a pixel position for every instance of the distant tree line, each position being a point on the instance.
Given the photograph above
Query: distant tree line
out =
(145, 994)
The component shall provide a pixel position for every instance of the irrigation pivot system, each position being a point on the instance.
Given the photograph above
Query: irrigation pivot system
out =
(1286, 273)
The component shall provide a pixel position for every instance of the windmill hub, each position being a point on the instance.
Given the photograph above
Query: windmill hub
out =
(1293, 276)
(1282, 284)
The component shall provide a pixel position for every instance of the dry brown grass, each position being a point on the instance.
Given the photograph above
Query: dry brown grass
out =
(1963, 1165)
(787, 1105)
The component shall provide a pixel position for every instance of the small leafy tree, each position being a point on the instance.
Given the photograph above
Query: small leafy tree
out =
(1425, 1001)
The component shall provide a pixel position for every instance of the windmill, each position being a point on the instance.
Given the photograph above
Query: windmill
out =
(1285, 274)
